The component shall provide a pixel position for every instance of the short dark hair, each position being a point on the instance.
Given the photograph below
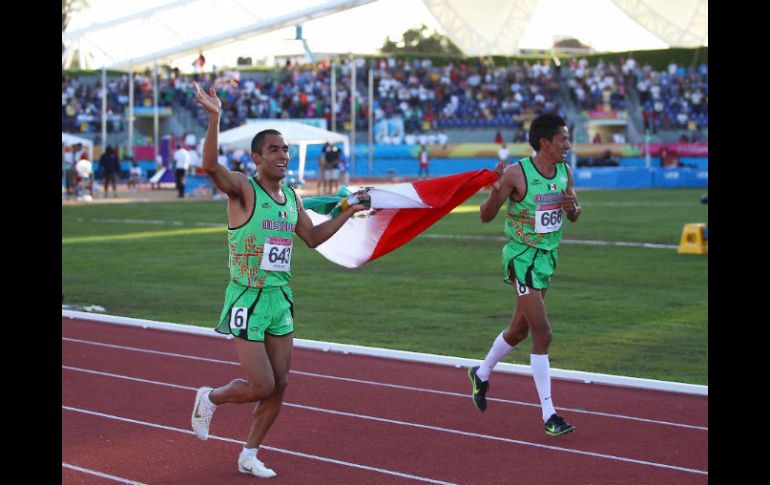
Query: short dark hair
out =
(258, 142)
(544, 126)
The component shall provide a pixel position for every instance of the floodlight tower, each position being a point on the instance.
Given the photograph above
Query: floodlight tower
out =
(309, 57)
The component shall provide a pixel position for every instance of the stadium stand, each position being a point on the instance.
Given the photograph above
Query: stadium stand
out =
(413, 97)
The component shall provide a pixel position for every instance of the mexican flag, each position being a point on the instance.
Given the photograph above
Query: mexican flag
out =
(399, 212)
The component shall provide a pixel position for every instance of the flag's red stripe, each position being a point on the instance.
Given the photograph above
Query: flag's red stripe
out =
(443, 194)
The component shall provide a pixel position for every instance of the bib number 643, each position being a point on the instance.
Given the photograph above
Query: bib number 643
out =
(277, 254)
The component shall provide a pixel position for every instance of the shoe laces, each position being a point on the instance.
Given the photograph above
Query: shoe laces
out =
(254, 462)
(205, 412)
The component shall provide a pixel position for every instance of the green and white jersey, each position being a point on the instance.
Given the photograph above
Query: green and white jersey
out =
(260, 250)
(537, 219)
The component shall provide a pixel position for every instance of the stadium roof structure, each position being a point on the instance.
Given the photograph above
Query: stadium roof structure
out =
(172, 29)
(293, 132)
(495, 27)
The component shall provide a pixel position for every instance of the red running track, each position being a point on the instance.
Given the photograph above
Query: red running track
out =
(127, 396)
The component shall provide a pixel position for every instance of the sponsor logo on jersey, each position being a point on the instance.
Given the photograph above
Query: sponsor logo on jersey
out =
(266, 205)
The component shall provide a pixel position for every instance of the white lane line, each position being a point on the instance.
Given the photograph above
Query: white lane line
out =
(586, 242)
(506, 401)
(128, 378)
(392, 386)
(433, 236)
(271, 448)
(437, 428)
(154, 222)
(100, 474)
(499, 438)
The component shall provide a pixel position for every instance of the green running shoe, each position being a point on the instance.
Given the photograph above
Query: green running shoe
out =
(556, 426)
(479, 389)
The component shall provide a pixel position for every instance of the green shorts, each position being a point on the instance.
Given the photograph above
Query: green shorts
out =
(531, 266)
(249, 313)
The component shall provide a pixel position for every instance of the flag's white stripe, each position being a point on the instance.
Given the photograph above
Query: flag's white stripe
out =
(398, 196)
(354, 243)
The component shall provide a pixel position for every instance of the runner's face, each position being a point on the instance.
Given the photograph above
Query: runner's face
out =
(273, 161)
(556, 148)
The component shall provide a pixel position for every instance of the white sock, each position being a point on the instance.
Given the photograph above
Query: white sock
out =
(248, 452)
(541, 372)
(500, 349)
(208, 402)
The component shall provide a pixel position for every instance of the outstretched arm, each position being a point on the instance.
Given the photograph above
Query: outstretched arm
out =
(501, 190)
(316, 235)
(231, 183)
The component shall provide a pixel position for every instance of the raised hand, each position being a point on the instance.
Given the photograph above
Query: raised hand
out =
(209, 101)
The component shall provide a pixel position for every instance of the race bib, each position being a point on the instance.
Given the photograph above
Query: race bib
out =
(521, 288)
(548, 219)
(276, 255)
(239, 317)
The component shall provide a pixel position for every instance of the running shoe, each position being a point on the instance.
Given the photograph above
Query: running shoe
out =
(556, 426)
(201, 416)
(479, 389)
(253, 466)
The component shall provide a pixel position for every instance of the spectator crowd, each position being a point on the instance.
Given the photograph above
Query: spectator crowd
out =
(414, 101)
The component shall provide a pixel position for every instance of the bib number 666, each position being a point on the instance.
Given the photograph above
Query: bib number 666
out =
(548, 220)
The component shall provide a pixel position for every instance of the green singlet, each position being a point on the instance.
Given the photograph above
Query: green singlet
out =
(258, 299)
(534, 227)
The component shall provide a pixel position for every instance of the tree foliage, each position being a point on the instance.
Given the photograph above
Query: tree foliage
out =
(571, 43)
(421, 41)
(68, 7)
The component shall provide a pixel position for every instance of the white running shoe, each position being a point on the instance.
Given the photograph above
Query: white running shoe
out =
(253, 466)
(201, 416)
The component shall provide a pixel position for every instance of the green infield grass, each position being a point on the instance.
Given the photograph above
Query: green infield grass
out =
(622, 310)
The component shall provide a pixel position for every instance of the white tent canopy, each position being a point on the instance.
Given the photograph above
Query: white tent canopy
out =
(67, 139)
(293, 132)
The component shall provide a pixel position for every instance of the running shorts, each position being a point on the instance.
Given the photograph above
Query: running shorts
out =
(529, 265)
(250, 313)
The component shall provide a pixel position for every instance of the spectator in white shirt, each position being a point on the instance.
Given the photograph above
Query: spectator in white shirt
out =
(181, 165)
(502, 154)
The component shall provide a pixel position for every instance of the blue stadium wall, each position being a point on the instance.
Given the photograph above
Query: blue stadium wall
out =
(398, 161)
